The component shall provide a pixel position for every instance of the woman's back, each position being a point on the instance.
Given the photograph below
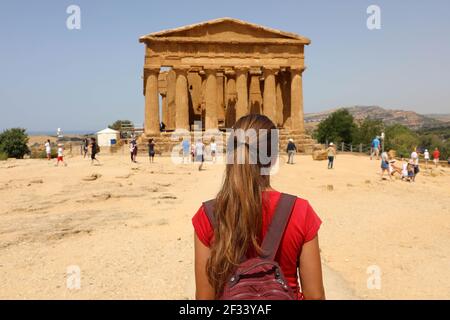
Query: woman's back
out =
(243, 210)
(302, 227)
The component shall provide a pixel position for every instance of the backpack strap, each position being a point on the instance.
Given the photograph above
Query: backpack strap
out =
(277, 226)
(209, 210)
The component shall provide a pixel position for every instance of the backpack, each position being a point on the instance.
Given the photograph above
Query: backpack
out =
(261, 278)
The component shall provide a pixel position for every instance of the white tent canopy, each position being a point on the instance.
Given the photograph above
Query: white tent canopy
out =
(107, 137)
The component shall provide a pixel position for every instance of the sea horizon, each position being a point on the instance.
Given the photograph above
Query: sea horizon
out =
(53, 132)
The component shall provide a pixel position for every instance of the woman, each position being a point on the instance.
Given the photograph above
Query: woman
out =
(151, 150)
(243, 210)
(385, 165)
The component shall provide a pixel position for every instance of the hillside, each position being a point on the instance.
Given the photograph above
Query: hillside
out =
(409, 119)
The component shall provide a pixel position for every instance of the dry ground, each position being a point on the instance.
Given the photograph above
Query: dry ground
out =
(130, 233)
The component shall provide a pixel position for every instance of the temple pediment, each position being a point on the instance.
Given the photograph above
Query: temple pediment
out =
(227, 30)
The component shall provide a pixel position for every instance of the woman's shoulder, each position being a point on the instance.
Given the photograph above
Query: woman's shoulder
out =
(301, 205)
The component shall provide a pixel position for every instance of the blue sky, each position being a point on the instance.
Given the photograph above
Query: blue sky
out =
(84, 79)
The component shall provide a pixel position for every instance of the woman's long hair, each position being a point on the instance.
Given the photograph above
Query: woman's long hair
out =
(238, 206)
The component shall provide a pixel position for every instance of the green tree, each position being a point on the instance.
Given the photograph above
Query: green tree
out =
(367, 130)
(121, 124)
(13, 142)
(337, 127)
(401, 139)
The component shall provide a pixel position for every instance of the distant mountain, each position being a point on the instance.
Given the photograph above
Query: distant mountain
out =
(409, 119)
(445, 117)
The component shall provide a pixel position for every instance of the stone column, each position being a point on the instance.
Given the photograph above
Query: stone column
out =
(181, 100)
(280, 101)
(270, 95)
(170, 97)
(297, 118)
(255, 91)
(230, 98)
(220, 79)
(211, 99)
(164, 108)
(151, 122)
(242, 92)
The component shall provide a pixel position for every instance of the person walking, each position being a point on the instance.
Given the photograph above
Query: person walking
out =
(291, 149)
(436, 155)
(186, 147)
(94, 150)
(151, 150)
(331, 153)
(199, 153)
(426, 157)
(61, 155)
(213, 149)
(251, 226)
(133, 147)
(48, 149)
(385, 165)
(85, 147)
(375, 148)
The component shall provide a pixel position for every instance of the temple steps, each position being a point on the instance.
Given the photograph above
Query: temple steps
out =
(165, 142)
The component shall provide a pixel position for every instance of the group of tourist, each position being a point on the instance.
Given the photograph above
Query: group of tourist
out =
(409, 168)
(197, 151)
(88, 144)
(134, 150)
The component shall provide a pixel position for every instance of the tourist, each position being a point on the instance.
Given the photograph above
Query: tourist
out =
(213, 149)
(186, 147)
(94, 150)
(85, 147)
(411, 175)
(375, 148)
(151, 150)
(415, 159)
(385, 165)
(193, 152)
(426, 157)
(199, 153)
(331, 153)
(291, 149)
(405, 175)
(133, 150)
(393, 169)
(48, 149)
(61, 155)
(228, 229)
(436, 155)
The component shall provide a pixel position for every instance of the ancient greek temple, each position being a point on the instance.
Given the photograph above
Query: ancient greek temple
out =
(219, 70)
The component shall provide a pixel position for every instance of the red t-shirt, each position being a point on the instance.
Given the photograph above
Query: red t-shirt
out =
(436, 154)
(302, 227)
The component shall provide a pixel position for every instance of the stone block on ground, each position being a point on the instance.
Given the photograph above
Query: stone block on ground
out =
(320, 155)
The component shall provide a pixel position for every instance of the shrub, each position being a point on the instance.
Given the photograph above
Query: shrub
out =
(337, 127)
(41, 154)
(13, 142)
(3, 156)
